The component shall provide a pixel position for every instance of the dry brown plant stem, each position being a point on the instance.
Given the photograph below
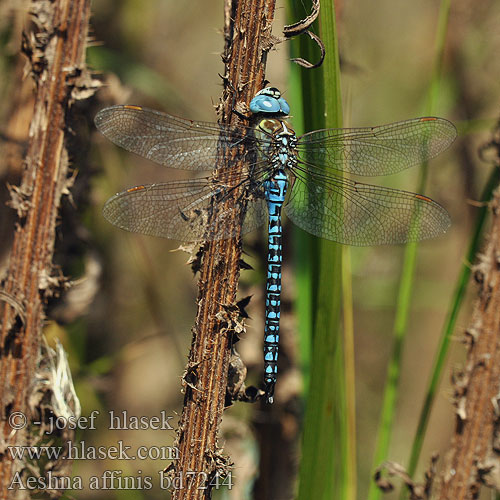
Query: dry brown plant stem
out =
(247, 32)
(55, 46)
(473, 458)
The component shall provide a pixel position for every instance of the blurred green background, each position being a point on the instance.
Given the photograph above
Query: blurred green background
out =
(128, 343)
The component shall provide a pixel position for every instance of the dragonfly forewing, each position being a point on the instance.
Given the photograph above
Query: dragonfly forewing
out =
(165, 139)
(373, 151)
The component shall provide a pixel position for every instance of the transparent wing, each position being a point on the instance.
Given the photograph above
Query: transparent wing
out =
(181, 210)
(165, 139)
(360, 214)
(385, 149)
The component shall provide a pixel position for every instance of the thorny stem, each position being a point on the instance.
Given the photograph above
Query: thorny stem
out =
(247, 32)
(473, 456)
(55, 47)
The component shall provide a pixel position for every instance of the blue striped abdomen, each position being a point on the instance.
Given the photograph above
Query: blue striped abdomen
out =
(275, 190)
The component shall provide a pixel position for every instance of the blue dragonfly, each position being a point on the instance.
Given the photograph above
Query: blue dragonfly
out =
(305, 175)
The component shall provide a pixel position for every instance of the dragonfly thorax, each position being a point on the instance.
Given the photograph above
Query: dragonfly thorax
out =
(282, 141)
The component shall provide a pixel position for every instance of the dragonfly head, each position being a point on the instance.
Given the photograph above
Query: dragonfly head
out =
(269, 100)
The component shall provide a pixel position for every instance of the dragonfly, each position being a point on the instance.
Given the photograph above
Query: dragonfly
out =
(307, 177)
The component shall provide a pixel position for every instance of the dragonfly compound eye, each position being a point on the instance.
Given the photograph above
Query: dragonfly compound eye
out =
(269, 101)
